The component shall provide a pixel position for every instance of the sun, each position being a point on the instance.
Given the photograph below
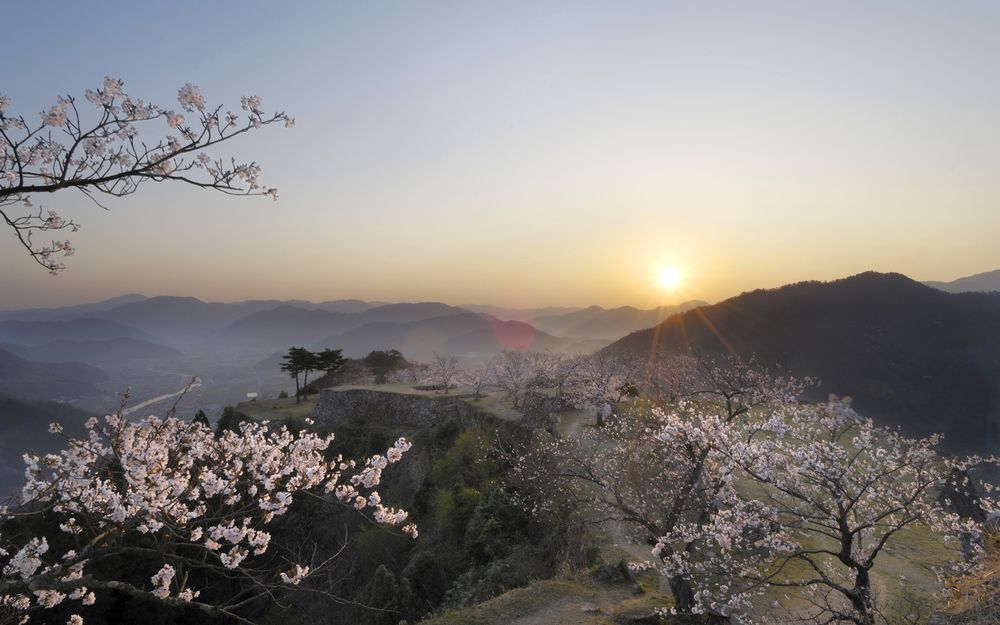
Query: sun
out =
(670, 278)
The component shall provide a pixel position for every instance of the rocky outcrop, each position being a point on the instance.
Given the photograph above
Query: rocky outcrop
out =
(410, 410)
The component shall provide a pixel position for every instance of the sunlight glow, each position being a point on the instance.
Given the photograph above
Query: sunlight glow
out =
(669, 278)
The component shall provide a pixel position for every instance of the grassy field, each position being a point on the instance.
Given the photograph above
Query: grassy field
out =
(278, 409)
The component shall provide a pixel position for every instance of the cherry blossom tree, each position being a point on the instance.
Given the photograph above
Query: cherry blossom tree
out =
(601, 380)
(193, 505)
(842, 489)
(665, 472)
(479, 380)
(516, 372)
(113, 150)
(443, 371)
(413, 373)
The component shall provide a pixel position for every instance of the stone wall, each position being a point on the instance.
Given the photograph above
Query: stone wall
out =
(411, 410)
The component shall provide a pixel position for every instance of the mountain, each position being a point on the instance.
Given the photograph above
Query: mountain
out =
(987, 281)
(463, 334)
(50, 381)
(110, 352)
(603, 323)
(416, 339)
(285, 325)
(499, 335)
(528, 315)
(409, 312)
(187, 318)
(181, 317)
(83, 329)
(347, 305)
(62, 312)
(24, 425)
(910, 355)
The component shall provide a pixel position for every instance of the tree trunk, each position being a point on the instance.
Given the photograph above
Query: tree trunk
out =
(861, 598)
(680, 587)
(297, 394)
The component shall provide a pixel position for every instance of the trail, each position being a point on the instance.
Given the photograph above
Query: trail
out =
(158, 399)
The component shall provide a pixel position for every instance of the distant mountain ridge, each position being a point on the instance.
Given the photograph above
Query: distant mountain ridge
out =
(981, 282)
(910, 355)
(29, 314)
(48, 381)
(186, 319)
(116, 352)
(80, 328)
(465, 334)
(609, 323)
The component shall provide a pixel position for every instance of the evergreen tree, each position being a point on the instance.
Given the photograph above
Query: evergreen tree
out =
(202, 418)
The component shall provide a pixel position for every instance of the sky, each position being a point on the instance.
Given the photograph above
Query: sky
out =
(535, 153)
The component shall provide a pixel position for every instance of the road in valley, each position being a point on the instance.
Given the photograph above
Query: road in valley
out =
(149, 402)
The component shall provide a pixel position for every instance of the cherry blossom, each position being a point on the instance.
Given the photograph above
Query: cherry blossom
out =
(206, 498)
(841, 489)
(661, 471)
(103, 154)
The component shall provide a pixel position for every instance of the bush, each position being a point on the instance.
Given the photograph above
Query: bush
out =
(467, 462)
(390, 597)
(230, 420)
(453, 510)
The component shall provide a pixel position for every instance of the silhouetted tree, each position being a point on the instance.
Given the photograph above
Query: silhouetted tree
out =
(384, 362)
(202, 418)
(298, 360)
(330, 360)
(230, 420)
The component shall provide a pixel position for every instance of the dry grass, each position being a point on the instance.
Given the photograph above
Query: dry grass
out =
(569, 600)
(975, 598)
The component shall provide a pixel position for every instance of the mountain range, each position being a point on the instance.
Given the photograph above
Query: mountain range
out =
(910, 355)
(463, 334)
(603, 323)
(981, 282)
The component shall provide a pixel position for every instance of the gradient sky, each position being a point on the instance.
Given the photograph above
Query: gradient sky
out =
(536, 153)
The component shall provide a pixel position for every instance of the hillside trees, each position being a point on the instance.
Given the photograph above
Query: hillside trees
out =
(743, 487)
(665, 474)
(300, 361)
(384, 362)
(188, 509)
(114, 150)
(329, 361)
(843, 489)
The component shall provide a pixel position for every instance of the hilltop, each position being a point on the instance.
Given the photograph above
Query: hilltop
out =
(910, 355)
